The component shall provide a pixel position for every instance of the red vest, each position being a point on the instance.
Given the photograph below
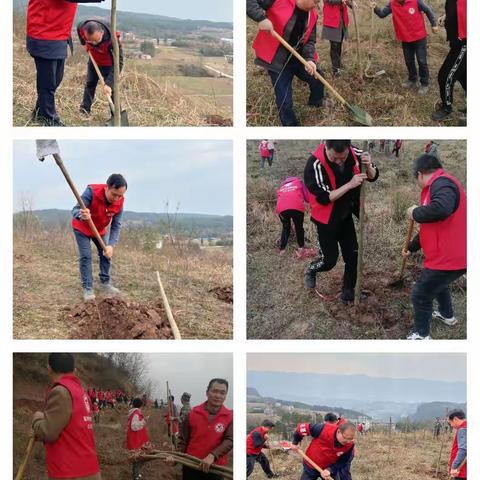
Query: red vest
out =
(50, 19)
(205, 435)
(322, 213)
(322, 450)
(100, 210)
(251, 448)
(462, 19)
(453, 454)
(101, 52)
(279, 14)
(408, 21)
(332, 15)
(138, 439)
(100, 395)
(290, 196)
(444, 243)
(73, 454)
(264, 151)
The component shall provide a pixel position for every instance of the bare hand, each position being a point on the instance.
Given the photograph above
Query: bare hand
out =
(311, 68)
(454, 472)
(107, 90)
(170, 461)
(373, 4)
(366, 159)
(435, 29)
(37, 416)
(206, 462)
(406, 253)
(326, 475)
(85, 214)
(410, 211)
(108, 252)
(357, 180)
(265, 25)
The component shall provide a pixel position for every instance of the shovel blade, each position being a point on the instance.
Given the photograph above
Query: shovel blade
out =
(123, 120)
(360, 116)
(46, 148)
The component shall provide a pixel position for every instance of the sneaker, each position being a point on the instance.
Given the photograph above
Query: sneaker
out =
(310, 279)
(409, 84)
(417, 336)
(447, 321)
(109, 289)
(88, 295)
(441, 114)
(423, 90)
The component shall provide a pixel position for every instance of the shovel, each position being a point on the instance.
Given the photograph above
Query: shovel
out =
(397, 282)
(289, 446)
(123, 115)
(357, 114)
(367, 72)
(50, 147)
(26, 458)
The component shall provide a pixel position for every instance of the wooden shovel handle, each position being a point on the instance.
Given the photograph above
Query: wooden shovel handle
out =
(302, 60)
(311, 462)
(408, 238)
(102, 80)
(26, 458)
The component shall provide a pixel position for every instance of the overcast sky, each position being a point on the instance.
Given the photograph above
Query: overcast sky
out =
(190, 372)
(195, 174)
(444, 366)
(214, 10)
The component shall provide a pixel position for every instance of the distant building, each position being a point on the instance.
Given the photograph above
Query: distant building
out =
(128, 36)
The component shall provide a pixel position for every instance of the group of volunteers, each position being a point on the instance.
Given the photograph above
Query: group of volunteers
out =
(296, 21)
(267, 152)
(332, 447)
(49, 27)
(331, 183)
(65, 427)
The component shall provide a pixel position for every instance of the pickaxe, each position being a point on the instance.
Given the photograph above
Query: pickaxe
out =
(50, 147)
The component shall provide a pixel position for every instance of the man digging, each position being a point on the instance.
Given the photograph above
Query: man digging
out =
(104, 206)
(257, 440)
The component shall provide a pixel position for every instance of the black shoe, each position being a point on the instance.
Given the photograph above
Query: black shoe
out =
(348, 295)
(49, 122)
(441, 114)
(83, 111)
(310, 279)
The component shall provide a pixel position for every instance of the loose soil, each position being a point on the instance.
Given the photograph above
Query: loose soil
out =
(225, 294)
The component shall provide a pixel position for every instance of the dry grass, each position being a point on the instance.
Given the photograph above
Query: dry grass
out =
(46, 280)
(278, 306)
(382, 97)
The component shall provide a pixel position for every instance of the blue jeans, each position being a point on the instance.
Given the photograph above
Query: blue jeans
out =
(432, 284)
(85, 260)
(282, 84)
(416, 49)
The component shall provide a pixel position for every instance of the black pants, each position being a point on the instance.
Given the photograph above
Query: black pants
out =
(454, 68)
(336, 55)
(287, 216)
(262, 460)
(432, 285)
(272, 153)
(192, 474)
(330, 237)
(396, 151)
(91, 85)
(49, 78)
(416, 49)
(137, 470)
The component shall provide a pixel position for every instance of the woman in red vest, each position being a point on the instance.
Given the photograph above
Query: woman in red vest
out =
(333, 176)
(335, 29)
(265, 155)
(457, 466)
(137, 434)
(410, 29)
(442, 216)
(49, 25)
(97, 38)
(295, 21)
(256, 442)
(104, 204)
(65, 426)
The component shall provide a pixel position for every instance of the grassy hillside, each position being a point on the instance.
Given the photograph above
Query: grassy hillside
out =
(278, 306)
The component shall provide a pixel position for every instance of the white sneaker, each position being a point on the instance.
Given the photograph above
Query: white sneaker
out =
(109, 289)
(447, 321)
(417, 336)
(88, 295)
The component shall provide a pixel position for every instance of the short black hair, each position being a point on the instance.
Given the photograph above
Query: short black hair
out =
(137, 403)
(268, 423)
(171, 397)
(92, 27)
(221, 381)
(330, 417)
(116, 180)
(338, 145)
(426, 164)
(458, 413)
(61, 362)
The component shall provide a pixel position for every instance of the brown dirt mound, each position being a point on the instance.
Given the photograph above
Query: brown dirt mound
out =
(225, 294)
(115, 318)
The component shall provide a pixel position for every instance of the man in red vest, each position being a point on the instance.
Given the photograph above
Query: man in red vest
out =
(65, 426)
(49, 25)
(454, 67)
(137, 435)
(333, 176)
(104, 204)
(208, 433)
(442, 216)
(457, 466)
(295, 21)
(97, 38)
(257, 440)
(331, 448)
(410, 29)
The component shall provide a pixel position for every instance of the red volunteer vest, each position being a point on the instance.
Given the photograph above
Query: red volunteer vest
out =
(102, 52)
(408, 21)
(453, 454)
(332, 15)
(136, 440)
(205, 435)
(251, 448)
(264, 151)
(322, 213)
(290, 196)
(50, 19)
(462, 19)
(279, 14)
(73, 454)
(100, 210)
(444, 243)
(322, 450)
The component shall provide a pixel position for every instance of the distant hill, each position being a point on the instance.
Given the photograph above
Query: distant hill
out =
(252, 392)
(428, 411)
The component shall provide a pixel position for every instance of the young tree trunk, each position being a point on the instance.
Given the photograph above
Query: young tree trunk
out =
(116, 65)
